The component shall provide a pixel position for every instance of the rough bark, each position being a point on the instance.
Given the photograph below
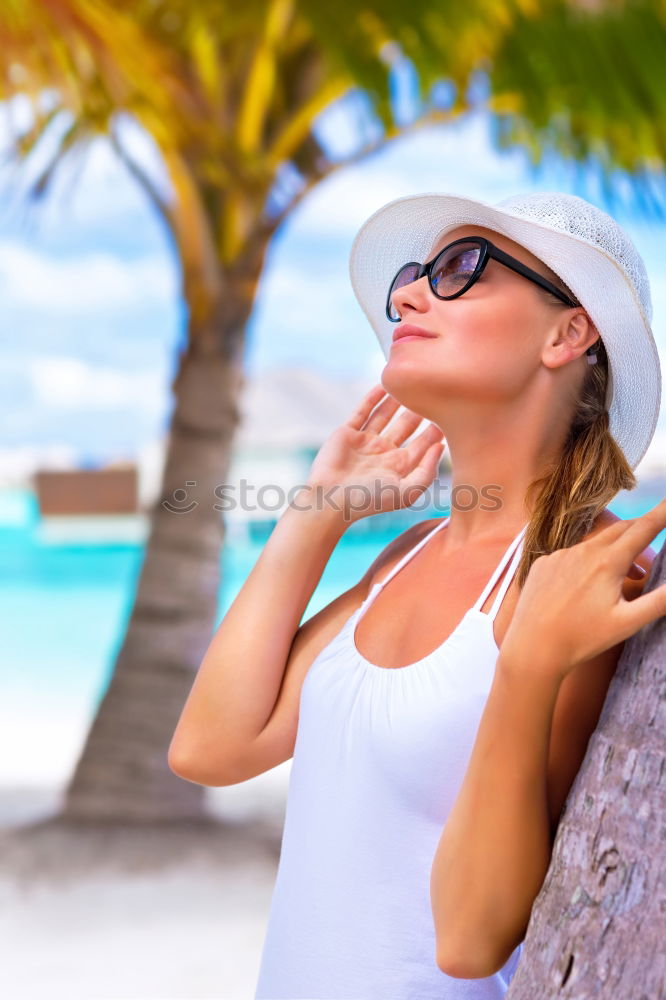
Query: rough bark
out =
(122, 773)
(598, 927)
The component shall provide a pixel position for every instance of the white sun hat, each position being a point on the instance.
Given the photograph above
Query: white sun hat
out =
(583, 245)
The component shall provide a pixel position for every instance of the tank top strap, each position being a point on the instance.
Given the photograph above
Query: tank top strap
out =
(376, 587)
(515, 549)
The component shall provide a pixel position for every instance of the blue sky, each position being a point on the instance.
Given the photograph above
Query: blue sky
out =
(89, 289)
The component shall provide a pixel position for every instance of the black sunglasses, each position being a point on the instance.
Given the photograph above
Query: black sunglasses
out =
(457, 266)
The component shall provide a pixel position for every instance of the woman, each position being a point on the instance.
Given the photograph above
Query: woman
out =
(436, 724)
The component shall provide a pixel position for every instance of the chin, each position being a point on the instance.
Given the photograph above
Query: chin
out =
(403, 370)
(406, 381)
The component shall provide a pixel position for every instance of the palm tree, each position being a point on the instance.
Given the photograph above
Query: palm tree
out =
(597, 926)
(230, 94)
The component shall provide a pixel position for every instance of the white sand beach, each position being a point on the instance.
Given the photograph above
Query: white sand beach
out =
(138, 914)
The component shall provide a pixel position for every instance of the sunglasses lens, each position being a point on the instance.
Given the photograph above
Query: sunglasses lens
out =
(405, 276)
(454, 267)
(451, 272)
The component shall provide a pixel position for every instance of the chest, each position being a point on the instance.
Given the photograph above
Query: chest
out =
(423, 605)
(403, 736)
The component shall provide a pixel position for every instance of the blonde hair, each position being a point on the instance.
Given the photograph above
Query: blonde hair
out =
(591, 469)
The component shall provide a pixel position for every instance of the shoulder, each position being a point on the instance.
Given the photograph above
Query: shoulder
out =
(397, 548)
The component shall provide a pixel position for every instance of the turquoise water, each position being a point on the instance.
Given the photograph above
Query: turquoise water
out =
(65, 605)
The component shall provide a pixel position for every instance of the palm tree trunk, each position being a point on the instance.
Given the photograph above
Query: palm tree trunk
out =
(122, 773)
(597, 928)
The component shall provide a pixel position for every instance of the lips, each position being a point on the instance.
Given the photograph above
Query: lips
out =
(409, 330)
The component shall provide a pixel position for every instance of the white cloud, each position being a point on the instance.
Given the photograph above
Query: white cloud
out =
(72, 384)
(103, 162)
(456, 157)
(16, 117)
(83, 283)
(91, 184)
(18, 463)
(654, 460)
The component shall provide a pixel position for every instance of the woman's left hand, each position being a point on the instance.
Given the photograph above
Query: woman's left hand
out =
(571, 607)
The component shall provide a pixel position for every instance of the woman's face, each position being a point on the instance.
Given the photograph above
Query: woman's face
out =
(489, 341)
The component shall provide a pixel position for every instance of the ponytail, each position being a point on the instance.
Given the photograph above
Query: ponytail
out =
(591, 469)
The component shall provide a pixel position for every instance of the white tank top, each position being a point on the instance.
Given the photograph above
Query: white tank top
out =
(379, 758)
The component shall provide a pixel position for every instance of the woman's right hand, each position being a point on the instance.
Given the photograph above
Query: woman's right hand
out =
(361, 466)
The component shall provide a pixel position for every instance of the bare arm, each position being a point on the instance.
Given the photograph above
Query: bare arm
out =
(236, 686)
(496, 845)
(494, 851)
(276, 741)
(240, 716)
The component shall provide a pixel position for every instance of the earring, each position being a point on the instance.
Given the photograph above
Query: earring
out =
(592, 354)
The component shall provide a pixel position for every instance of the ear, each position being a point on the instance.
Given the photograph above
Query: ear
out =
(570, 339)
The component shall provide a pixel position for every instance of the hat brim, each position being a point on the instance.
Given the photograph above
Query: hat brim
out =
(405, 229)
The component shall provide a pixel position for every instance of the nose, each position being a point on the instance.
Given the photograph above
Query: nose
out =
(415, 295)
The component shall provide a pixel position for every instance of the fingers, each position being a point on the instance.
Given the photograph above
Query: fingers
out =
(369, 416)
(375, 412)
(415, 450)
(363, 410)
(381, 415)
(639, 532)
(402, 426)
(422, 474)
(636, 572)
(643, 610)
